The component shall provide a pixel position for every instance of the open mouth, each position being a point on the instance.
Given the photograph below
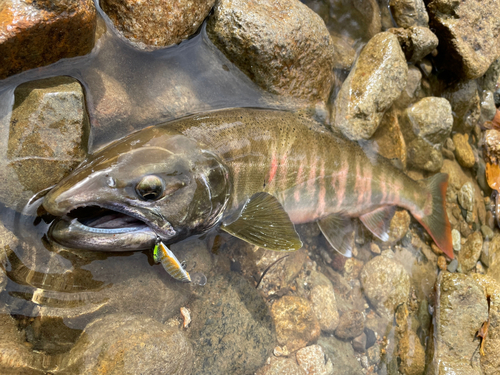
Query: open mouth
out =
(102, 229)
(103, 220)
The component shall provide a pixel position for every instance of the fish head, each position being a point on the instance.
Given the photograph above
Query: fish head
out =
(152, 184)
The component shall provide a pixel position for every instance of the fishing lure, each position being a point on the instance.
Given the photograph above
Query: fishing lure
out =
(162, 254)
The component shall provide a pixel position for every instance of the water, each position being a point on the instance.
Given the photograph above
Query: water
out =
(54, 293)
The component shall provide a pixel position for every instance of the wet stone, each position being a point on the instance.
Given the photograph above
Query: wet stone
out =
(471, 251)
(492, 145)
(231, 327)
(412, 354)
(399, 226)
(452, 267)
(431, 119)
(341, 355)
(422, 155)
(386, 284)
(351, 325)
(487, 232)
(156, 24)
(491, 257)
(408, 13)
(488, 108)
(417, 42)
(325, 307)
(466, 46)
(313, 361)
(465, 104)
(378, 78)
(359, 343)
(460, 311)
(123, 343)
(48, 137)
(463, 151)
(281, 366)
(466, 196)
(388, 139)
(283, 46)
(39, 33)
(296, 324)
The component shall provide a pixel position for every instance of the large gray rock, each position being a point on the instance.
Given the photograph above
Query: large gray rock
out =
(461, 310)
(376, 80)
(409, 13)
(156, 24)
(231, 327)
(468, 32)
(283, 46)
(48, 137)
(39, 33)
(431, 119)
(385, 283)
(129, 344)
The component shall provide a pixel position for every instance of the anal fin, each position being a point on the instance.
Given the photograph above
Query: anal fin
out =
(263, 222)
(379, 221)
(339, 232)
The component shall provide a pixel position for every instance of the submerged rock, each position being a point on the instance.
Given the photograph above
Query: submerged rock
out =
(39, 33)
(313, 361)
(422, 155)
(351, 325)
(281, 366)
(231, 327)
(48, 137)
(156, 24)
(8, 242)
(296, 324)
(468, 32)
(416, 42)
(430, 119)
(409, 13)
(386, 284)
(461, 310)
(376, 80)
(341, 354)
(463, 151)
(124, 344)
(465, 104)
(283, 46)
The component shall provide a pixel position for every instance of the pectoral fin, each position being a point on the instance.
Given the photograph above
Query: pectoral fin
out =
(263, 222)
(339, 231)
(378, 221)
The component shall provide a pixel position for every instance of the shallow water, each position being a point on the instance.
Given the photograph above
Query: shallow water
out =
(54, 293)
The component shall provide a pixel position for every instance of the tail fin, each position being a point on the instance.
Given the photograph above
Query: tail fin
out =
(436, 222)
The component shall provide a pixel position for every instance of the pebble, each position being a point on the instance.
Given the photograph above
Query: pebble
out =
(374, 248)
(281, 366)
(416, 42)
(452, 267)
(422, 155)
(463, 151)
(442, 263)
(351, 324)
(399, 226)
(378, 77)
(470, 252)
(312, 360)
(386, 284)
(359, 343)
(263, 39)
(374, 355)
(465, 103)
(324, 306)
(295, 321)
(466, 196)
(431, 119)
(487, 232)
(409, 13)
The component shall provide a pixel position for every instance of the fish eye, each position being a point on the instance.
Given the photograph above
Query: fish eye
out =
(150, 188)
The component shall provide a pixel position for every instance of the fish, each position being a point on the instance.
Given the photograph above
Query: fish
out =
(162, 254)
(253, 173)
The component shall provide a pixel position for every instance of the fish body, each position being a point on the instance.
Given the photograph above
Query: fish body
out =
(217, 164)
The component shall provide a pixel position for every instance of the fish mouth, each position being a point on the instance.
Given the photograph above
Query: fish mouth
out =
(102, 229)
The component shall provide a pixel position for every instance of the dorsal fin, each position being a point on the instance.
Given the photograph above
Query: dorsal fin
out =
(339, 232)
(379, 221)
(263, 222)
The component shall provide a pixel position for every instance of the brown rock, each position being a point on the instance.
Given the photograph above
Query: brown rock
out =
(376, 80)
(461, 310)
(48, 136)
(463, 151)
(471, 251)
(296, 324)
(39, 33)
(351, 325)
(283, 46)
(281, 366)
(408, 13)
(412, 354)
(465, 105)
(467, 47)
(156, 24)
(389, 140)
(492, 145)
(399, 226)
(423, 156)
(312, 360)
